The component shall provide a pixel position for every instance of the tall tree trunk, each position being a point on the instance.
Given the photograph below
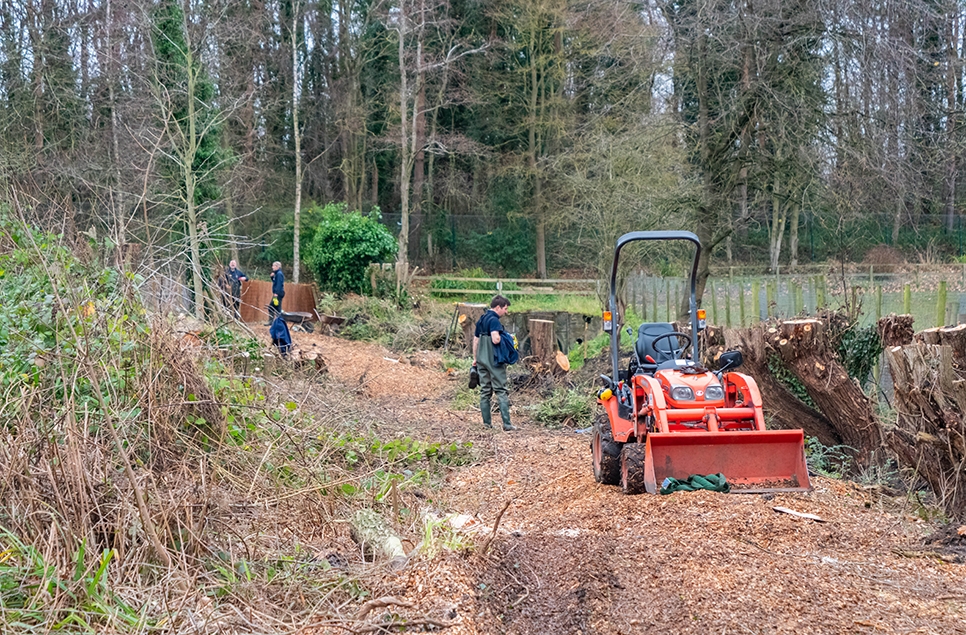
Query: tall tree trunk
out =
(793, 235)
(952, 67)
(374, 187)
(707, 212)
(190, 180)
(297, 137)
(402, 256)
(541, 237)
(777, 228)
(230, 213)
(118, 208)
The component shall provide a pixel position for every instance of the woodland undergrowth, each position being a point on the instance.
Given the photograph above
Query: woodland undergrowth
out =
(152, 485)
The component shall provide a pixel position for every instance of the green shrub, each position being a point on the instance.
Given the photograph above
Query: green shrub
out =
(344, 245)
(570, 407)
(831, 461)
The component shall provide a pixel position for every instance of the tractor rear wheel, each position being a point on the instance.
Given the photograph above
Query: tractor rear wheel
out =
(606, 452)
(632, 468)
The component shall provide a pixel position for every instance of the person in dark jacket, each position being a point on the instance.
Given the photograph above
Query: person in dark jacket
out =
(278, 291)
(281, 338)
(234, 277)
(492, 375)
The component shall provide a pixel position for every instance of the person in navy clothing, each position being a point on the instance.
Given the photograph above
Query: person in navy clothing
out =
(235, 277)
(278, 291)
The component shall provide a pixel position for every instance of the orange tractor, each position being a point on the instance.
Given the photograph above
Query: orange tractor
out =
(668, 416)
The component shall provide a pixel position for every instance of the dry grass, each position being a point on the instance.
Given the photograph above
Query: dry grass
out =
(157, 483)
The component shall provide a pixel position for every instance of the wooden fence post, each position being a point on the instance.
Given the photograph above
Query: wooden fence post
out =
(667, 300)
(906, 299)
(633, 285)
(941, 304)
(728, 306)
(755, 302)
(714, 305)
(741, 305)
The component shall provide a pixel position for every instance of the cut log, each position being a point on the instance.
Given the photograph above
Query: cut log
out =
(372, 533)
(929, 434)
(712, 344)
(469, 315)
(782, 408)
(543, 345)
(562, 362)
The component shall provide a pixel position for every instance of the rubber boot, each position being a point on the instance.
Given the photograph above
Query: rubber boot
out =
(486, 410)
(505, 411)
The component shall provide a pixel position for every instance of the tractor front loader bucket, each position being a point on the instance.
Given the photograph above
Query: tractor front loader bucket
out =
(751, 461)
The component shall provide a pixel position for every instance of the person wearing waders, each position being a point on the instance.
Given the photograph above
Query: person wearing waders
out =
(492, 375)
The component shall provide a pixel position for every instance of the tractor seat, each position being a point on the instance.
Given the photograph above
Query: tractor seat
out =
(646, 335)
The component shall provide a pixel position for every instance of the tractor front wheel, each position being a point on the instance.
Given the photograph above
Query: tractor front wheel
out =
(632, 468)
(606, 453)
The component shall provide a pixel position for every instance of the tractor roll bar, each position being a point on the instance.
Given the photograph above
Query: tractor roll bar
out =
(630, 237)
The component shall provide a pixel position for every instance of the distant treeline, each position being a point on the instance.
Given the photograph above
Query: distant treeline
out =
(517, 135)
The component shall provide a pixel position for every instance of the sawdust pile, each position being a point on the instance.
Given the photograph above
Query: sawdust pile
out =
(577, 557)
(572, 556)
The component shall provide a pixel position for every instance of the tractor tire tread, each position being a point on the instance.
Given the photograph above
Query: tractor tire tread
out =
(608, 471)
(632, 468)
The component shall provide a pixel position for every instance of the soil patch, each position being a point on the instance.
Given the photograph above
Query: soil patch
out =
(950, 541)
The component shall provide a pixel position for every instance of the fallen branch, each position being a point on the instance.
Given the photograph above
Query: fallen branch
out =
(908, 553)
(378, 603)
(496, 525)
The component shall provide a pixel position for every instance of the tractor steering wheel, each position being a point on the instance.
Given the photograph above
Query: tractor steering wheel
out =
(671, 350)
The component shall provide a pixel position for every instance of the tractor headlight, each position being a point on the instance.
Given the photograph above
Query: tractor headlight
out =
(682, 393)
(714, 393)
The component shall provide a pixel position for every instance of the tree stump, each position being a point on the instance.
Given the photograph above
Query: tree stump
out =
(712, 344)
(469, 315)
(895, 330)
(543, 344)
(955, 338)
(805, 350)
(929, 336)
(782, 407)
(952, 336)
(312, 359)
(930, 434)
